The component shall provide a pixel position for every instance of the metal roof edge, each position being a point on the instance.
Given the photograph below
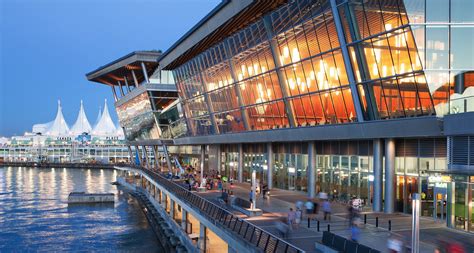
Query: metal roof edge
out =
(206, 18)
(91, 74)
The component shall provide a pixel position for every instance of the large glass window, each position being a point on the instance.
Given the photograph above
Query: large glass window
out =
(437, 47)
(461, 11)
(437, 11)
(462, 49)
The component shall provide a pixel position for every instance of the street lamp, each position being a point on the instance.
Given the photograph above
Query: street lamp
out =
(415, 224)
(254, 185)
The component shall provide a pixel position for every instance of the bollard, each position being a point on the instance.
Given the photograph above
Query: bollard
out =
(376, 222)
(318, 225)
(329, 227)
(365, 218)
(389, 225)
(308, 221)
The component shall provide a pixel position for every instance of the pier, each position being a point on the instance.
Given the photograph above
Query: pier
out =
(216, 227)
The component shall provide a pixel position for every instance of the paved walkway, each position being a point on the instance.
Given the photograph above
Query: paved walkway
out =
(278, 204)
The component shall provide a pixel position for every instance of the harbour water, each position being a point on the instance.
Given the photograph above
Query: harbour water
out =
(35, 216)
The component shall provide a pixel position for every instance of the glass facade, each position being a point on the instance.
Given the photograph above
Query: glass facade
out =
(287, 68)
(444, 34)
(136, 117)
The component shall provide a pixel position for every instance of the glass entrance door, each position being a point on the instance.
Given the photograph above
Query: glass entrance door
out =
(439, 203)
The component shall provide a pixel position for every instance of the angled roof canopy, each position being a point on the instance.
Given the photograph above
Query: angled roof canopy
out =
(115, 71)
(224, 20)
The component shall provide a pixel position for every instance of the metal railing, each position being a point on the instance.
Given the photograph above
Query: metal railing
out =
(220, 217)
(461, 105)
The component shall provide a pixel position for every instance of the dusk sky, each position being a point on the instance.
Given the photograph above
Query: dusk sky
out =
(47, 47)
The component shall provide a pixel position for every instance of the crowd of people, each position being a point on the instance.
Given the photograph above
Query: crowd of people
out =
(308, 209)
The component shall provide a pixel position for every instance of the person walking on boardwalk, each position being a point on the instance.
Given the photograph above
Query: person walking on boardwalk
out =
(291, 218)
(309, 209)
(327, 210)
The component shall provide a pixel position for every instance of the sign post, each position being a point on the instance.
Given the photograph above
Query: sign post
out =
(415, 223)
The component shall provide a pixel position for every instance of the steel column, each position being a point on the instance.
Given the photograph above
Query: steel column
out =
(145, 153)
(140, 160)
(219, 158)
(145, 74)
(114, 92)
(390, 178)
(121, 88)
(203, 157)
(290, 110)
(126, 83)
(130, 154)
(240, 167)
(202, 238)
(135, 80)
(155, 154)
(378, 175)
(184, 219)
(269, 165)
(311, 169)
(347, 61)
(243, 112)
(167, 157)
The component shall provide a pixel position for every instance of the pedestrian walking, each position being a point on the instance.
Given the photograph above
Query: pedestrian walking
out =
(309, 208)
(298, 217)
(291, 218)
(355, 230)
(394, 244)
(251, 196)
(327, 210)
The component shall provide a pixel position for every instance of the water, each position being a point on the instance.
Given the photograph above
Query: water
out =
(35, 216)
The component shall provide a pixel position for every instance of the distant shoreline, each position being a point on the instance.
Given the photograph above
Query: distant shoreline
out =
(60, 165)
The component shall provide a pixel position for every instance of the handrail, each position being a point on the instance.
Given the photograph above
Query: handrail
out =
(257, 236)
(461, 105)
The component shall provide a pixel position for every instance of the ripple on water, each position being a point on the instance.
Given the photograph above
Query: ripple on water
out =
(34, 215)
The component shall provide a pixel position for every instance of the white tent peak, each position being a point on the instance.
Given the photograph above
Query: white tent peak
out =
(105, 126)
(82, 124)
(98, 116)
(59, 125)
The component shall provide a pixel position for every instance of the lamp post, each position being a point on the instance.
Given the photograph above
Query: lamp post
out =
(254, 185)
(415, 223)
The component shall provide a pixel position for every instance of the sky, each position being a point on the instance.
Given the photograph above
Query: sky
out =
(47, 47)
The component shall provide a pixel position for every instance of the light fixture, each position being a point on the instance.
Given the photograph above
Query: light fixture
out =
(295, 55)
(286, 52)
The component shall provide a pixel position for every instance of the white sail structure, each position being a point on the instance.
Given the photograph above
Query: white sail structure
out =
(105, 126)
(59, 126)
(119, 131)
(98, 117)
(82, 124)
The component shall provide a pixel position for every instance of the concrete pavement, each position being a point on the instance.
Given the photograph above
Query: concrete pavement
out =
(278, 204)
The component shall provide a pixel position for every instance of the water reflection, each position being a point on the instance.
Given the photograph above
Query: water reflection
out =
(34, 215)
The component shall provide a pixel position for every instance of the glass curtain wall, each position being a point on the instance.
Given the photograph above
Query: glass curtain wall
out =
(386, 62)
(255, 158)
(444, 34)
(290, 165)
(283, 69)
(229, 161)
(343, 169)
